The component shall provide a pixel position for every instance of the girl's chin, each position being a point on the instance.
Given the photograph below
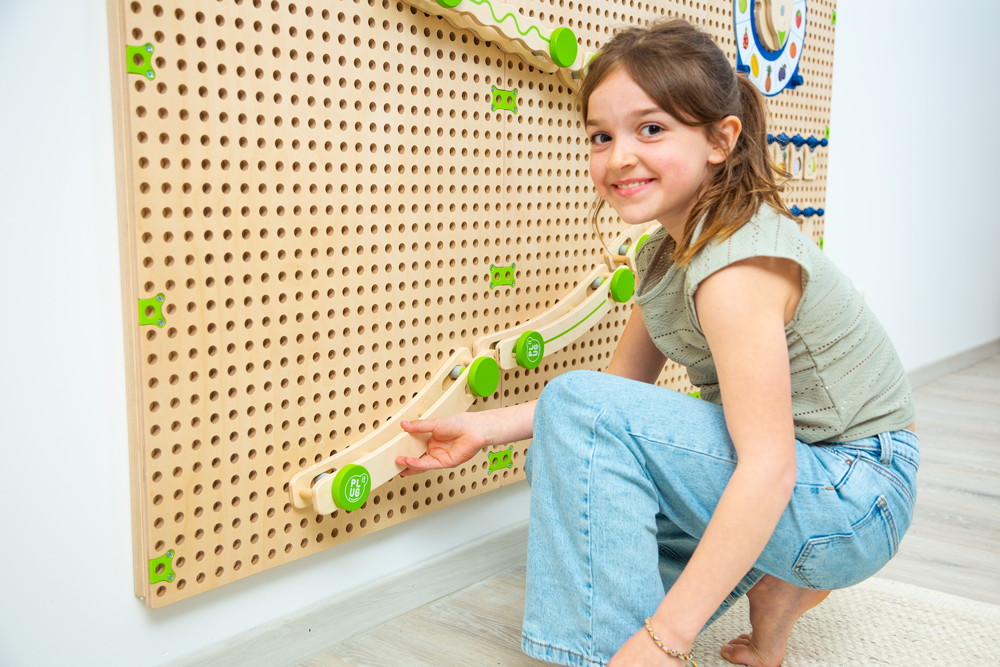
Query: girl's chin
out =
(633, 217)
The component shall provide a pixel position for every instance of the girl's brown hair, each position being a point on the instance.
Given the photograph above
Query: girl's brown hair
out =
(690, 78)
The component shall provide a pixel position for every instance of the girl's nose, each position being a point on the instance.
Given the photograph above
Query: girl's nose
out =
(622, 156)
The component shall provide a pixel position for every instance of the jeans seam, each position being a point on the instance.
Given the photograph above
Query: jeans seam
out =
(890, 522)
(881, 469)
(680, 447)
(590, 533)
(555, 648)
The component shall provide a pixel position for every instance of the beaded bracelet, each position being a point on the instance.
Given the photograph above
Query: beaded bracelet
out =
(687, 657)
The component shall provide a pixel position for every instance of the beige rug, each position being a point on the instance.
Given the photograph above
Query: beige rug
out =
(877, 622)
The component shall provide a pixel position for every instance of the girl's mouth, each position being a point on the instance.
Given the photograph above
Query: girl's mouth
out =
(630, 188)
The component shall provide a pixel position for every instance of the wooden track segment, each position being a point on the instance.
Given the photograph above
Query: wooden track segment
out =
(419, 407)
(561, 325)
(572, 318)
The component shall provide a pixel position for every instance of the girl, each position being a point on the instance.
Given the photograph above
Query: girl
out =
(651, 511)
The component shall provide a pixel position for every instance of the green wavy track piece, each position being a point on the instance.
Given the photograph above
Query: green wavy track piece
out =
(562, 42)
(524, 33)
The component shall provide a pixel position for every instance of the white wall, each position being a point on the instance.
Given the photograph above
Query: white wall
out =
(65, 541)
(914, 171)
(65, 538)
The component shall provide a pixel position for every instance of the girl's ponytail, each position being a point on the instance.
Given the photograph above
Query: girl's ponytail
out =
(685, 72)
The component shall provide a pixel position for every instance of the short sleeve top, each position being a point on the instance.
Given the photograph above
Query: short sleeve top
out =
(847, 380)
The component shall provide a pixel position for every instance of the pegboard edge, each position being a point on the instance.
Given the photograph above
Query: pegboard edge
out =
(130, 290)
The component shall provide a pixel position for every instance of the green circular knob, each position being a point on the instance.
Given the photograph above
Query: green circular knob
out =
(642, 239)
(622, 285)
(562, 46)
(484, 376)
(449, 4)
(530, 349)
(351, 486)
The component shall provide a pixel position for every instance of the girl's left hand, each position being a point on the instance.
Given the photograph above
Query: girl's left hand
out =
(641, 651)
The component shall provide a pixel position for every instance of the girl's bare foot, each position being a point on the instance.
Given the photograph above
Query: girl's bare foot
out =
(775, 606)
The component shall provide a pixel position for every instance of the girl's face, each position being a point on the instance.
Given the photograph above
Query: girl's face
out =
(645, 163)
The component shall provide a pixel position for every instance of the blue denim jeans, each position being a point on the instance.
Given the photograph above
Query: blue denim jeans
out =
(624, 478)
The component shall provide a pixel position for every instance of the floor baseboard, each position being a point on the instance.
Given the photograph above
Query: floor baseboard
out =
(306, 632)
(950, 364)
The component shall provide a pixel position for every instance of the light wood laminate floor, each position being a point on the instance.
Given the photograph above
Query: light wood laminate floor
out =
(953, 545)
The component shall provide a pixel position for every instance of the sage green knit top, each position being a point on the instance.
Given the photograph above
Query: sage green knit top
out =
(847, 380)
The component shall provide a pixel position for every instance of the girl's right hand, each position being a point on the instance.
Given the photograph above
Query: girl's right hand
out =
(454, 440)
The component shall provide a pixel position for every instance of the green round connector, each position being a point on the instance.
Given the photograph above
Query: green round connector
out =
(351, 486)
(562, 46)
(484, 376)
(529, 350)
(642, 239)
(622, 285)
(449, 4)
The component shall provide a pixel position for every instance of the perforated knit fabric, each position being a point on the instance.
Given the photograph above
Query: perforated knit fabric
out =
(847, 380)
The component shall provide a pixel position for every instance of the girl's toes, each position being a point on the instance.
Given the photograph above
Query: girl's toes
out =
(741, 654)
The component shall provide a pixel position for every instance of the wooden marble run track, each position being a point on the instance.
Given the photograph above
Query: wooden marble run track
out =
(346, 479)
(555, 51)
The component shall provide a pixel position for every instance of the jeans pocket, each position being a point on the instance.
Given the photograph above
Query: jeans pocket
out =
(838, 561)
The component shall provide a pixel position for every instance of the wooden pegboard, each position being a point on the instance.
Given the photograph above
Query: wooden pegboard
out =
(318, 190)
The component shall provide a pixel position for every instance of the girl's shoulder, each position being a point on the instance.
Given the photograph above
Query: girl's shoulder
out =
(766, 234)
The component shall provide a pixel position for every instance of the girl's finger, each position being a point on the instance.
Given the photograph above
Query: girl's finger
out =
(418, 425)
(420, 464)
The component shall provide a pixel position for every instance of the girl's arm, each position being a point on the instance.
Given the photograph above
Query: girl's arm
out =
(636, 357)
(743, 310)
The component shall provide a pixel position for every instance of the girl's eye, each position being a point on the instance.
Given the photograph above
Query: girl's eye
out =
(600, 138)
(650, 130)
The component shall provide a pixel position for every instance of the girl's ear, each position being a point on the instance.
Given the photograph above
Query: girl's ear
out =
(727, 132)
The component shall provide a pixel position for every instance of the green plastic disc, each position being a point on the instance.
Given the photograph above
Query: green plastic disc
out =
(449, 4)
(484, 376)
(530, 349)
(642, 239)
(351, 486)
(622, 285)
(562, 46)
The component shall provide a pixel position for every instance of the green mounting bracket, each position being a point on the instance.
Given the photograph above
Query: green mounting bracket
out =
(833, 19)
(502, 275)
(138, 60)
(695, 394)
(826, 132)
(501, 459)
(563, 46)
(484, 376)
(160, 569)
(821, 243)
(156, 303)
(503, 99)
(529, 350)
(351, 486)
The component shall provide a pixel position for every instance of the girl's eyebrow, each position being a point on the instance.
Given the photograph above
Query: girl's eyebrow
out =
(635, 114)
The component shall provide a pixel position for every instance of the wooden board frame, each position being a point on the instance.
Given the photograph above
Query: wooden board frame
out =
(318, 189)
